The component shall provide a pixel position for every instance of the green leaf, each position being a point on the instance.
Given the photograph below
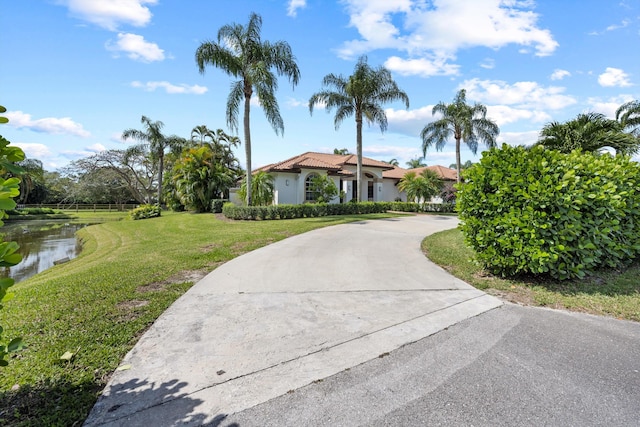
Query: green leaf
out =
(16, 344)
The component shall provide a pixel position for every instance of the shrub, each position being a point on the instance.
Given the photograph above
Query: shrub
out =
(307, 210)
(542, 212)
(145, 211)
(217, 204)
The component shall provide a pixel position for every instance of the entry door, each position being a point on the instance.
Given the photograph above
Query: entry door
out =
(370, 191)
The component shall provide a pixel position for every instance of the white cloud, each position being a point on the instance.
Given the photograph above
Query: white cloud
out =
(96, 148)
(109, 14)
(614, 77)
(559, 74)
(488, 63)
(52, 125)
(295, 103)
(503, 114)
(409, 122)
(388, 152)
(294, 5)
(443, 27)
(35, 151)
(422, 67)
(170, 88)
(136, 48)
(608, 106)
(518, 138)
(523, 94)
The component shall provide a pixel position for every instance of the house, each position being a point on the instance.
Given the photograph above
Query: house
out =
(292, 177)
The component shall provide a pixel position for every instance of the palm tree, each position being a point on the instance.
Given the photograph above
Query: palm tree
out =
(341, 151)
(153, 139)
(628, 114)
(200, 134)
(589, 132)
(361, 95)
(394, 162)
(241, 53)
(461, 121)
(421, 187)
(263, 188)
(418, 162)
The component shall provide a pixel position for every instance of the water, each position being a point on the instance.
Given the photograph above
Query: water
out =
(41, 243)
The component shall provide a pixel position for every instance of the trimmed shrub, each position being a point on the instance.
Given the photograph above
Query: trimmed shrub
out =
(145, 211)
(307, 210)
(542, 212)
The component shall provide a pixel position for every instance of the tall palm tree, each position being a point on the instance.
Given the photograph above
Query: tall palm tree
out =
(153, 139)
(200, 134)
(418, 162)
(361, 95)
(589, 132)
(628, 114)
(461, 121)
(241, 53)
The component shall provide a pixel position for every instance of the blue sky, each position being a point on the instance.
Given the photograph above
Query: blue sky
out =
(76, 73)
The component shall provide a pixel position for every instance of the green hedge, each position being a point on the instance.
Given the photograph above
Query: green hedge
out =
(542, 212)
(309, 210)
(145, 211)
(217, 204)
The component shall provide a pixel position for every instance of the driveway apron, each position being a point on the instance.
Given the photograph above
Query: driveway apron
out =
(286, 315)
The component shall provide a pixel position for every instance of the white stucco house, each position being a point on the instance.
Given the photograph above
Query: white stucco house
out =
(292, 177)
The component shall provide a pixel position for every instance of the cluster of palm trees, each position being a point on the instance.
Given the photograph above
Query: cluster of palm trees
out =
(255, 64)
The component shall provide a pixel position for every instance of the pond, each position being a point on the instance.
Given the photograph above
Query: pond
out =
(41, 244)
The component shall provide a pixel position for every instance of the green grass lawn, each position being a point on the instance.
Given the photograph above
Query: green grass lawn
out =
(98, 305)
(607, 293)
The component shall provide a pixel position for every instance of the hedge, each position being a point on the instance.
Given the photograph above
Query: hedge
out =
(539, 211)
(145, 211)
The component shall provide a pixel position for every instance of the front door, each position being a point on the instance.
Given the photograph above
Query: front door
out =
(370, 191)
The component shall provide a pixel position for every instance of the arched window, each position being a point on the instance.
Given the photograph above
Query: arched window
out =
(309, 194)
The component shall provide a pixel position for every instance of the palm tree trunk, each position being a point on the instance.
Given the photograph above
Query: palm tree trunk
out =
(359, 154)
(247, 144)
(160, 171)
(458, 178)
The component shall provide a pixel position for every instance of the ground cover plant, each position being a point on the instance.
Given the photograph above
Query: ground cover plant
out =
(80, 318)
(607, 292)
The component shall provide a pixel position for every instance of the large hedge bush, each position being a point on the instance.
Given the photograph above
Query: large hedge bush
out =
(542, 212)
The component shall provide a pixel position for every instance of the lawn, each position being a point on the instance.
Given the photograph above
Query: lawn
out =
(614, 293)
(93, 309)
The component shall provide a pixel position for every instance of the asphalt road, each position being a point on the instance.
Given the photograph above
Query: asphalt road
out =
(512, 366)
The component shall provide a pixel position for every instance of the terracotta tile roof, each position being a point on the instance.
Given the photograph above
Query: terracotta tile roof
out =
(444, 173)
(331, 162)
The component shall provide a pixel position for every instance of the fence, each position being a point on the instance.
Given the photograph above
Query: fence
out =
(109, 207)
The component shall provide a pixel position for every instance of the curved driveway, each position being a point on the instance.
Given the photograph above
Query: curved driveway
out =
(284, 316)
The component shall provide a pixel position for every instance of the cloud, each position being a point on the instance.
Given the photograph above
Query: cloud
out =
(294, 5)
(614, 77)
(170, 88)
(559, 74)
(518, 138)
(35, 151)
(488, 63)
(422, 67)
(443, 27)
(503, 114)
(624, 23)
(51, 125)
(608, 106)
(409, 122)
(522, 94)
(110, 14)
(295, 103)
(388, 152)
(136, 48)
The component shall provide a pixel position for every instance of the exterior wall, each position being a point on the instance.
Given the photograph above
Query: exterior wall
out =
(286, 188)
(390, 191)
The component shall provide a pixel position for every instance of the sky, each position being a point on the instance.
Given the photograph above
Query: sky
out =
(76, 73)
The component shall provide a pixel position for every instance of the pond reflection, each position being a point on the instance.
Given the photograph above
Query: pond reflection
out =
(41, 244)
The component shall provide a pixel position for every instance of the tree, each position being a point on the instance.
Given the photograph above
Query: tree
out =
(628, 114)
(341, 151)
(242, 54)
(360, 95)
(153, 138)
(589, 132)
(263, 188)
(465, 165)
(421, 187)
(417, 162)
(323, 188)
(461, 121)
(32, 186)
(394, 162)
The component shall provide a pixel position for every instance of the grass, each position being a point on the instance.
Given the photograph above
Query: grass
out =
(607, 293)
(98, 305)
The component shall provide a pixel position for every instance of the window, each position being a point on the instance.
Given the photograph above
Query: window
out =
(309, 195)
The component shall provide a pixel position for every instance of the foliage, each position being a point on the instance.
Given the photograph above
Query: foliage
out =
(361, 95)
(421, 187)
(589, 132)
(31, 211)
(341, 151)
(242, 54)
(263, 188)
(543, 212)
(217, 204)
(310, 210)
(199, 177)
(614, 293)
(153, 140)
(128, 274)
(628, 114)
(417, 162)
(9, 189)
(323, 188)
(461, 121)
(145, 211)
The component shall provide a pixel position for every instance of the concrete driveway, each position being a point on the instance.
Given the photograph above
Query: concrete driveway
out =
(284, 316)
